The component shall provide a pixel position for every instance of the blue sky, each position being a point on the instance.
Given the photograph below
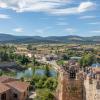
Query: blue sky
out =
(50, 17)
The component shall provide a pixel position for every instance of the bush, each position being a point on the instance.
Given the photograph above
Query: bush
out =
(44, 95)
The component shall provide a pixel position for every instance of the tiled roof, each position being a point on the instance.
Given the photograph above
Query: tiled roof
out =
(18, 85)
(4, 79)
(3, 88)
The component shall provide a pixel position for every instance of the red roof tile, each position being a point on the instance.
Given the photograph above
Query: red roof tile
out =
(18, 85)
(4, 79)
(3, 88)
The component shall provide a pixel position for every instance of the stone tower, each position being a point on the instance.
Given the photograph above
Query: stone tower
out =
(74, 84)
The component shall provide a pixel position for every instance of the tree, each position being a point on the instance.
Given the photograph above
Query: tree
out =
(24, 60)
(22, 79)
(40, 83)
(44, 95)
(1, 73)
(51, 83)
(4, 56)
(47, 71)
(65, 57)
(29, 47)
(87, 60)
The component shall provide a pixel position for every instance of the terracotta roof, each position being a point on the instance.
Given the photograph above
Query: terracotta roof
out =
(4, 79)
(18, 85)
(3, 88)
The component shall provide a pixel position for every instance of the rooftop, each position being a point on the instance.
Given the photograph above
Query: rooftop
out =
(4, 79)
(3, 88)
(18, 85)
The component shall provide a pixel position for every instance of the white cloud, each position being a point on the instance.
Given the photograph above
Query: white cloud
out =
(70, 30)
(4, 16)
(84, 6)
(32, 5)
(95, 31)
(3, 5)
(87, 17)
(48, 6)
(19, 30)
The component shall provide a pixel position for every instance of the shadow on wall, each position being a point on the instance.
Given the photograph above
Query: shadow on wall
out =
(84, 93)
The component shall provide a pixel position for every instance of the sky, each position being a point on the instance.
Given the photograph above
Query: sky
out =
(50, 17)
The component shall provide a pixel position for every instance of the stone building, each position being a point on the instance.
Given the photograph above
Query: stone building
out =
(72, 87)
(92, 83)
(12, 89)
(74, 84)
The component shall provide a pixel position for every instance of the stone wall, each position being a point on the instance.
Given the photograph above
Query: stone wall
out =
(92, 93)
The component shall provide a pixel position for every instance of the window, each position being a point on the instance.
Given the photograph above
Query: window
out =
(3, 96)
(15, 95)
(72, 74)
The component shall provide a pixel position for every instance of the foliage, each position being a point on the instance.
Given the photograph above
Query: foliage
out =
(87, 60)
(50, 83)
(44, 82)
(60, 62)
(29, 47)
(24, 60)
(65, 57)
(47, 71)
(1, 73)
(44, 95)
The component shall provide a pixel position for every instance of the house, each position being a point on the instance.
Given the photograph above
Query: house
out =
(26, 53)
(12, 89)
(4, 92)
(51, 57)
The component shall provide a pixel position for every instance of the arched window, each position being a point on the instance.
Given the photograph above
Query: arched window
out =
(72, 73)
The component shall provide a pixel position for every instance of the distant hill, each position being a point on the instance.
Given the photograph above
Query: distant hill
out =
(6, 38)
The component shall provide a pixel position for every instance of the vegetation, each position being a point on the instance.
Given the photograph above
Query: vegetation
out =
(45, 85)
(41, 82)
(45, 94)
(87, 60)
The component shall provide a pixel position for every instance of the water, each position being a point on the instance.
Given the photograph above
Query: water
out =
(29, 73)
(40, 72)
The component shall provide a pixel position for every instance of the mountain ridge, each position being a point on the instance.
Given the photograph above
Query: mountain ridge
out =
(50, 39)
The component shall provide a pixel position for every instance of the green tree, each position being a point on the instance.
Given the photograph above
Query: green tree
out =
(44, 95)
(65, 57)
(29, 47)
(51, 83)
(87, 60)
(1, 73)
(47, 71)
(24, 60)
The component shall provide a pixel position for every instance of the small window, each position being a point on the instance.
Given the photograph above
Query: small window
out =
(15, 95)
(72, 74)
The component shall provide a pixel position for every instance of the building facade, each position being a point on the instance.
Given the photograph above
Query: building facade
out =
(11, 89)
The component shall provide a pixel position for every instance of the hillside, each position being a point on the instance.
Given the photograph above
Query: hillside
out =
(6, 38)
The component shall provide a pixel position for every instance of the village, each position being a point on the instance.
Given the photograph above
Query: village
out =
(26, 70)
